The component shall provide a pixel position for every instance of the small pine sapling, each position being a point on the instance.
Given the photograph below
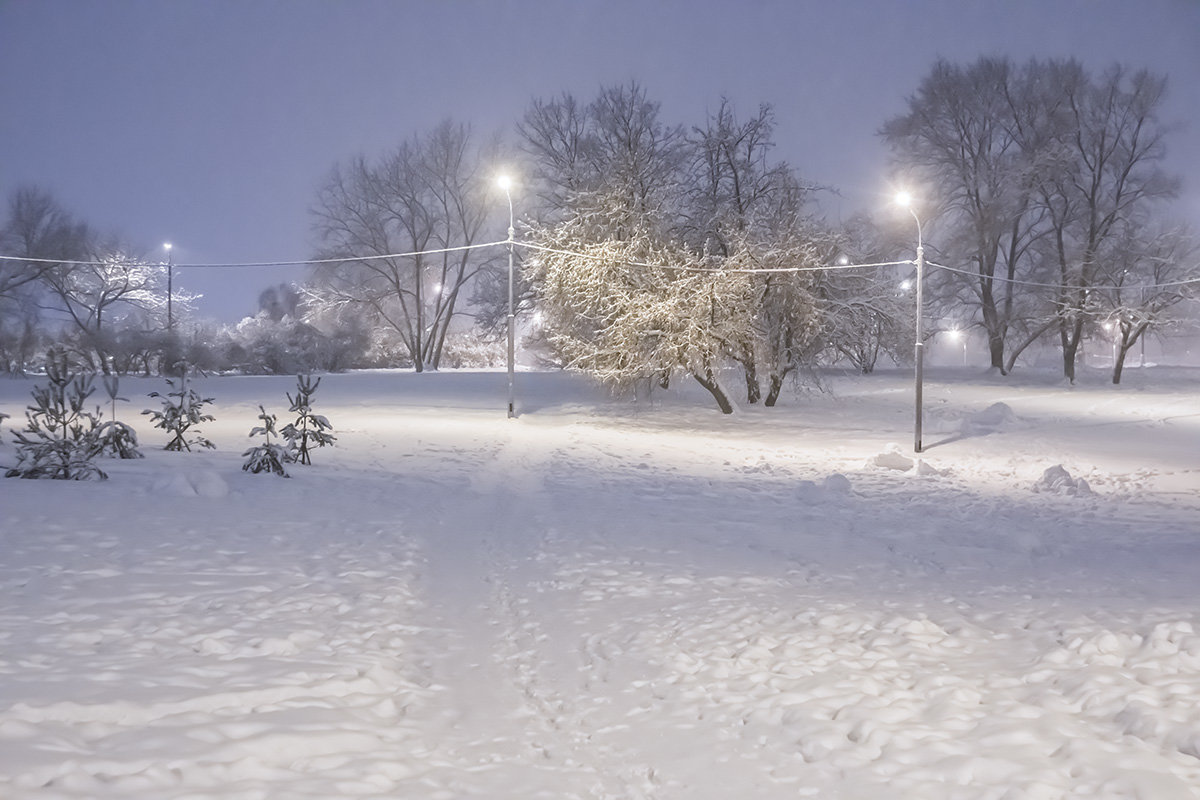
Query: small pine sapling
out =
(61, 437)
(309, 430)
(116, 438)
(268, 456)
(181, 410)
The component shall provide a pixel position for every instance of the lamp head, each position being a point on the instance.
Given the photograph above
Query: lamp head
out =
(167, 246)
(904, 199)
(504, 182)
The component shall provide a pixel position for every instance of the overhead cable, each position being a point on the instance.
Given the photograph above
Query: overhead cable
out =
(291, 263)
(1020, 282)
(714, 270)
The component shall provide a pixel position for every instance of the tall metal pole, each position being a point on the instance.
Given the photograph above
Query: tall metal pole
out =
(170, 281)
(920, 343)
(512, 319)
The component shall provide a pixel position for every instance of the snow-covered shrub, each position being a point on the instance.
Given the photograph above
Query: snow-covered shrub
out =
(268, 456)
(182, 409)
(116, 438)
(61, 437)
(1056, 480)
(262, 345)
(470, 350)
(309, 429)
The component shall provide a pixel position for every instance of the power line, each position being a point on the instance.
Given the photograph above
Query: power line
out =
(595, 257)
(249, 264)
(709, 270)
(1020, 282)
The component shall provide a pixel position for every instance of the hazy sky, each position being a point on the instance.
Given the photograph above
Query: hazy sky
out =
(210, 123)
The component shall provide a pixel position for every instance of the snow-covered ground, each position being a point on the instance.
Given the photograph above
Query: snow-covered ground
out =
(609, 599)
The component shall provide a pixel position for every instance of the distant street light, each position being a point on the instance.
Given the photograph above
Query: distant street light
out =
(170, 281)
(505, 183)
(905, 199)
(958, 336)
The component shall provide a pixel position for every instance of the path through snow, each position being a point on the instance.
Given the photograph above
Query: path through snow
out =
(595, 601)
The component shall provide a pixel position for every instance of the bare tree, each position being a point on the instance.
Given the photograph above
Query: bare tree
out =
(1152, 273)
(1039, 170)
(427, 194)
(963, 133)
(39, 229)
(1107, 179)
(864, 314)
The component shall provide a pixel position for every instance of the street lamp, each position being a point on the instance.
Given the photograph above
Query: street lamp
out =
(905, 199)
(170, 281)
(505, 183)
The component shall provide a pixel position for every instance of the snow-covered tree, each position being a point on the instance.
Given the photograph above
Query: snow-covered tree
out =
(611, 315)
(667, 233)
(114, 291)
(269, 456)
(61, 438)
(117, 439)
(182, 411)
(309, 429)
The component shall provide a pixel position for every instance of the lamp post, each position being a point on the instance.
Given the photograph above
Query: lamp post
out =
(905, 199)
(170, 281)
(505, 183)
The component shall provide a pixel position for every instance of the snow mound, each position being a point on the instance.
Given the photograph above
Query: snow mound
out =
(892, 458)
(925, 469)
(997, 416)
(834, 484)
(196, 483)
(1056, 480)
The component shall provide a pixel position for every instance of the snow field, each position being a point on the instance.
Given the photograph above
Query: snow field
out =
(600, 600)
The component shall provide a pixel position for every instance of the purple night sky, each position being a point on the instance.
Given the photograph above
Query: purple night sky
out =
(210, 123)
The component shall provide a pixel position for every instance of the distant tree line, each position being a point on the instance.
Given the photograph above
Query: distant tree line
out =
(666, 250)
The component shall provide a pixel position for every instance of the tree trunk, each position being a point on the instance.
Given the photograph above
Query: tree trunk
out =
(709, 382)
(1071, 337)
(996, 348)
(1119, 365)
(753, 390)
(775, 385)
